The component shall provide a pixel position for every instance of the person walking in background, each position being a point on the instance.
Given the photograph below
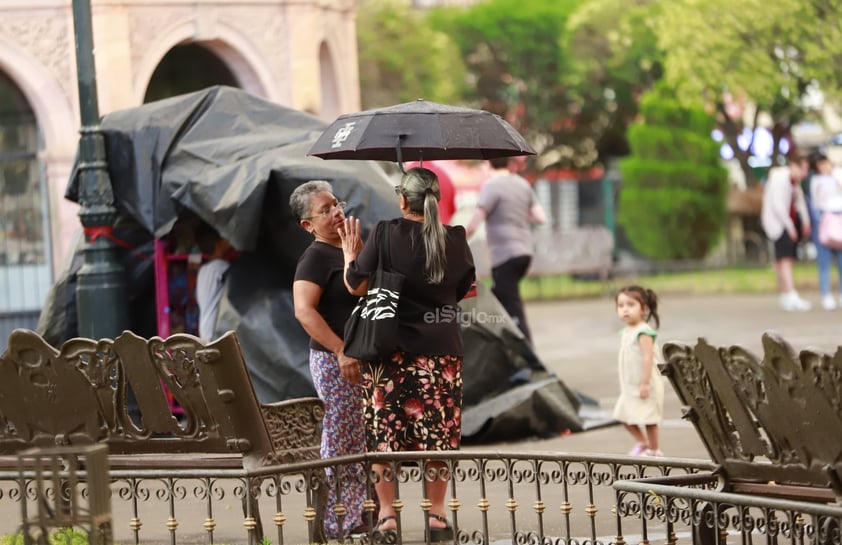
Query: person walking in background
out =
(785, 220)
(322, 306)
(210, 280)
(509, 208)
(826, 198)
(641, 401)
(414, 398)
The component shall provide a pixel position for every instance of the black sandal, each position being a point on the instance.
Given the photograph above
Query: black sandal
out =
(358, 531)
(440, 534)
(390, 536)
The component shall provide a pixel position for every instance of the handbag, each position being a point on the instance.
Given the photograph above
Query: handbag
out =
(830, 231)
(371, 332)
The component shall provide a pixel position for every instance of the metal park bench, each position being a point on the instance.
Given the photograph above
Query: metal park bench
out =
(772, 426)
(583, 250)
(80, 395)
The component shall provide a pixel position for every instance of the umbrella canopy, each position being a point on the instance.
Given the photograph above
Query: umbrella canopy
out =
(217, 152)
(420, 131)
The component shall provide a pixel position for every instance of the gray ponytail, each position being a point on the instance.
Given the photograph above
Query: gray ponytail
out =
(420, 187)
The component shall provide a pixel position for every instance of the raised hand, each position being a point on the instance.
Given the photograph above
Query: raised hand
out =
(349, 233)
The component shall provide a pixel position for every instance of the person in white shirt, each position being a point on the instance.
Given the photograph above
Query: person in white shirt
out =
(785, 220)
(826, 197)
(210, 280)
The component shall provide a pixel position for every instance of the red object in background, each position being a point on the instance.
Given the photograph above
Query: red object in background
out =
(447, 203)
(175, 298)
(175, 291)
(596, 172)
(471, 292)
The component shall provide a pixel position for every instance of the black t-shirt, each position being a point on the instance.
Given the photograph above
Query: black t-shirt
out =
(429, 323)
(322, 264)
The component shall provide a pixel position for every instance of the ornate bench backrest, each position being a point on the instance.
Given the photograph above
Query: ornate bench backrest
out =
(80, 395)
(776, 419)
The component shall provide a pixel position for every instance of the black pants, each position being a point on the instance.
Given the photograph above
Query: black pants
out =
(507, 277)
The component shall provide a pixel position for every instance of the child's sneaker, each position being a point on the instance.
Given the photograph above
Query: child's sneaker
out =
(653, 453)
(638, 450)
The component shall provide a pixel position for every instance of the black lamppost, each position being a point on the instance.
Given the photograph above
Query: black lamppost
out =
(100, 284)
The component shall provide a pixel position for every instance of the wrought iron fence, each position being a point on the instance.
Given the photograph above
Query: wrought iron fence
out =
(552, 498)
(493, 497)
(712, 517)
(53, 481)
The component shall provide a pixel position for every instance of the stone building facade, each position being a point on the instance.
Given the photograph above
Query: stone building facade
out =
(299, 53)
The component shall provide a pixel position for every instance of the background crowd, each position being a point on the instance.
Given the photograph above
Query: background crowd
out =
(802, 209)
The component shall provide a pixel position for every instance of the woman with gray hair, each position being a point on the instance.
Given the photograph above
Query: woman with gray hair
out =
(322, 306)
(413, 399)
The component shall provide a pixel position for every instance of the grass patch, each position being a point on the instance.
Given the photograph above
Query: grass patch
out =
(691, 282)
(62, 536)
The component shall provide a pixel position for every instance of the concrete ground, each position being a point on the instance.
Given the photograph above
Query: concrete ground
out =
(579, 340)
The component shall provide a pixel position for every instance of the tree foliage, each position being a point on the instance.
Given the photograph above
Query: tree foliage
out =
(402, 57)
(611, 58)
(774, 54)
(672, 204)
(513, 55)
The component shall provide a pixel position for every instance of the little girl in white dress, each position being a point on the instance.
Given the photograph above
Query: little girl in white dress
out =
(641, 401)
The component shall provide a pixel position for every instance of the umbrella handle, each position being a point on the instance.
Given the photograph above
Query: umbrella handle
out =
(398, 152)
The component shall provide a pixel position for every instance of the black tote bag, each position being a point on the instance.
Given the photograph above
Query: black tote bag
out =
(371, 331)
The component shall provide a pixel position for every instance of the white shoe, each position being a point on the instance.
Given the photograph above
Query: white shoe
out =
(802, 304)
(638, 450)
(787, 302)
(828, 302)
(791, 302)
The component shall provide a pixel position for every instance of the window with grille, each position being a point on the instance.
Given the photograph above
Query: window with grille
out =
(25, 276)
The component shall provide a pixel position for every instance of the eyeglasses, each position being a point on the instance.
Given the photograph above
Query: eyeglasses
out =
(326, 211)
(398, 190)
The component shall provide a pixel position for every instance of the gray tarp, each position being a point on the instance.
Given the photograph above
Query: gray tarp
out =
(233, 159)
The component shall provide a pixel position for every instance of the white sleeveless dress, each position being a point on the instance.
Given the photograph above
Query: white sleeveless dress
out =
(630, 408)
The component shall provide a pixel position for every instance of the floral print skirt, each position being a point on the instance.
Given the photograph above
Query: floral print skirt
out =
(413, 403)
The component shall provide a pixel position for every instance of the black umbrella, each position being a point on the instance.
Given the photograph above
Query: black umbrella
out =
(419, 131)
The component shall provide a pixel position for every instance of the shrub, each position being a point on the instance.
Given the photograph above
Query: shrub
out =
(673, 199)
(62, 536)
(12, 539)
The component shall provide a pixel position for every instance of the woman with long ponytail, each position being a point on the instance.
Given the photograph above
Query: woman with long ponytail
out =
(422, 184)
(413, 399)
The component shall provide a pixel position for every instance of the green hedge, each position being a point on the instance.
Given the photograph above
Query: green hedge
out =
(673, 198)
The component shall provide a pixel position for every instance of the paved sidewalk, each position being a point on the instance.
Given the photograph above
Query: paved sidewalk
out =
(579, 340)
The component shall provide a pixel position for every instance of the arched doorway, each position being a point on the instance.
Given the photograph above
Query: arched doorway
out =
(187, 68)
(184, 69)
(25, 277)
(331, 106)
